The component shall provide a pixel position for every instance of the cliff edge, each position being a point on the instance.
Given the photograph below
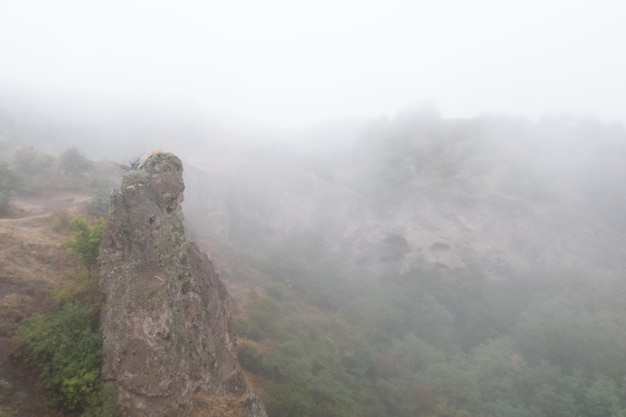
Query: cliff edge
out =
(165, 321)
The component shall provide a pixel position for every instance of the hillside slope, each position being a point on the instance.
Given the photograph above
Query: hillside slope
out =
(32, 263)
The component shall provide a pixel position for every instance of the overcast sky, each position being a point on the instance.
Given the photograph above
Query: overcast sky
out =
(287, 62)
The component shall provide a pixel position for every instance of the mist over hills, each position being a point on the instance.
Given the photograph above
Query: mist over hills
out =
(490, 187)
(434, 266)
(492, 190)
(458, 257)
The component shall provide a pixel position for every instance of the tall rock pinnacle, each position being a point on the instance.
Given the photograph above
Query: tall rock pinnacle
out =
(165, 319)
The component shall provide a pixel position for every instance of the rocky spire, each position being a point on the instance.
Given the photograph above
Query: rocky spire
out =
(165, 320)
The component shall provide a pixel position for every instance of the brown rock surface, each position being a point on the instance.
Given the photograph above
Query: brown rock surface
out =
(166, 321)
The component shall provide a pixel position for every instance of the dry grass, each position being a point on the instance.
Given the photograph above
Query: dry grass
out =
(204, 406)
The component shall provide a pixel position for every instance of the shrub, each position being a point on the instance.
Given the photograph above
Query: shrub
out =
(4, 385)
(65, 347)
(250, 357)
(241, 326)
(131, 163)
(244, 329)
(76, 287)
(104, 404)
(99, 206)
(5, 412)
(74, 163)
(28, 161)
(264, 317)
(86, 242)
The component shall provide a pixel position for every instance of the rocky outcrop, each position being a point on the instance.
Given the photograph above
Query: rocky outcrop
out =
(165, 321)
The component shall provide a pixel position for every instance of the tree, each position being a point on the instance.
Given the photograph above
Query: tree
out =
(101, 197)
(131, 164)
(601, 399)
(86, 242)
(73, 162)
(250, 357)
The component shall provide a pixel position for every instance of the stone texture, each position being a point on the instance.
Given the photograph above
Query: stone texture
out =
(165, 320)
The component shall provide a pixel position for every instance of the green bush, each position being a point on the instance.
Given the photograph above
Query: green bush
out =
(104, 404)
(250, 357)
(65, 347)
(241, 327)
(264, 318)
(86, 242)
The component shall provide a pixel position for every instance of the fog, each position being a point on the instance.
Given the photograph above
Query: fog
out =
(418, 207)
(286, 64)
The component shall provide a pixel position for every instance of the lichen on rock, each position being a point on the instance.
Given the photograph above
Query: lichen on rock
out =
(166, 319)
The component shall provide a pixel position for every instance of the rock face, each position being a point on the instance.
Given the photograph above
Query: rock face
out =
(165, 320)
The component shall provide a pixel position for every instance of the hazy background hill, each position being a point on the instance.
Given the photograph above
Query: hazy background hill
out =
(496, 191)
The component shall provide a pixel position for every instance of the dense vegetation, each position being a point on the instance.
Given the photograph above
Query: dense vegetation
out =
(433, 342)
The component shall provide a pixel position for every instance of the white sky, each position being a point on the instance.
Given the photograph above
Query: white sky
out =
(288, 62)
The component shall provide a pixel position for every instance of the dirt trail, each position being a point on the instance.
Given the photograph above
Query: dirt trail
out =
(27, 206)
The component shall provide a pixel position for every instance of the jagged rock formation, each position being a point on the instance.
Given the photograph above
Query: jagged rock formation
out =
(165, 319)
